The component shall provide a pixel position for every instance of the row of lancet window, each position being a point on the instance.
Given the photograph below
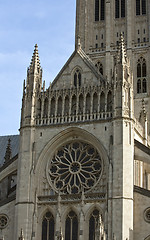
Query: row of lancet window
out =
(141, 76)
(84, 102)
(96, 230)
(120, 6)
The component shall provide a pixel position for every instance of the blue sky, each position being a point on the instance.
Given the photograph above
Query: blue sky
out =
(50, 24)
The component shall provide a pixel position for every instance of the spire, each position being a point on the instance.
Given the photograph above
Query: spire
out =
(8, 153)
(35, 62)
(122, 55)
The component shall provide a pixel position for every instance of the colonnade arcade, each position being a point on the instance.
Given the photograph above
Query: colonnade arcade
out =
(75, 104)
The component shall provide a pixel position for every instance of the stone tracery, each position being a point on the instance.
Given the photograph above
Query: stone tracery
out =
(76, 166)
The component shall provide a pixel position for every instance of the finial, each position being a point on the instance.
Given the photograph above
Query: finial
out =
(8, 153)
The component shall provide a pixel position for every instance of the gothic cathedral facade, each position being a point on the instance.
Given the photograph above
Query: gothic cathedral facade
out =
(80, 168)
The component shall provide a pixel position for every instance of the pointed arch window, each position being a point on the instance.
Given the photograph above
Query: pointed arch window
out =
(48, 227)
(140, 7)
(96, 228)
(99, 10)
(119, 8)
(77, 78)
(141, 76)
(71, 226)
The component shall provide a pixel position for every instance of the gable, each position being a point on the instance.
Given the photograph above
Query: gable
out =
(77, 61)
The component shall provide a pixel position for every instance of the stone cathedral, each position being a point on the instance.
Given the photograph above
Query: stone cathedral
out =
(80, 167)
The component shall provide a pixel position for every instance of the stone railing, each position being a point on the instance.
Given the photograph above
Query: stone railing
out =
(73, 118)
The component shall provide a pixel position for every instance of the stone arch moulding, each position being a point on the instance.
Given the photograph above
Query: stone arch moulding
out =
(91, 209)
(66, 212)
(43, 211)
(65, 136)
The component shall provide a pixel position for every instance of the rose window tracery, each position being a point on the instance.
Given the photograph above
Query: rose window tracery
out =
(3, 221)
(75, 167)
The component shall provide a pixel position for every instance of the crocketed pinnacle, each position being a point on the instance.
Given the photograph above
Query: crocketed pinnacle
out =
(8, 153)
(122, 56)
(35, 62)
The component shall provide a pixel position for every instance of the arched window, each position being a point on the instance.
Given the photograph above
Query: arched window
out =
(141, 76)
(77, 78)
(81, 100)
(109, 101)
(144, 85)
(140, 7)
(99, 10)
(137, 7)
(122, 8)
(48, 227)
(74, 105)
(144, 69)
(138, 70)
(88, 103)
(71, 226)
(66, 107)
(99, 66)
(52, 107)
(138, 86)
(45, 113)
(102, 102)
(95, 102)
(59, 110)
(119, 8)
(143, 7)
(96, 228)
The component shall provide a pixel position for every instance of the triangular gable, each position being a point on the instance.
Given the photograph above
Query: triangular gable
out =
(85, 59)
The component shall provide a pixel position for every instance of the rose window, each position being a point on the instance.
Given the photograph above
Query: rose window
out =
(75, 167)
(3, 221)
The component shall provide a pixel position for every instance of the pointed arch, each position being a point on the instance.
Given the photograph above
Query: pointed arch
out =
(71, 226)
(81, 101)
(59, 109)
(102, 102)
(77, 77)
(66, 107)
(144, 85)
(74, 104)
(138, 70)
(139, 86)
(96, 226)
(144, 69)
(45, 112)
(141, 75)
(52, 111)
(48, 226)
(88, 103)
(95, 102)
(109, 101)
